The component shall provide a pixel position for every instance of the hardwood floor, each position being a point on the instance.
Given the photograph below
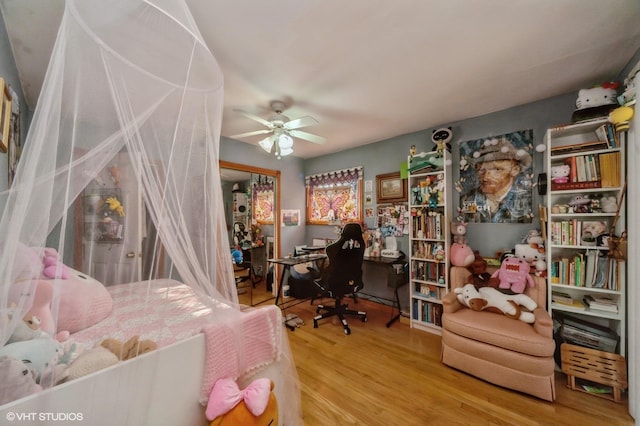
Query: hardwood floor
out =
(393, 376)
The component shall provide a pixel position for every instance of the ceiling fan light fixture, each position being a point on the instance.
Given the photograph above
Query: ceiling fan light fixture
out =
(266, 143)
(285, 141)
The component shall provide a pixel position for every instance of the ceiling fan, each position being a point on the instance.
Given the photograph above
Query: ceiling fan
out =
(283, 129)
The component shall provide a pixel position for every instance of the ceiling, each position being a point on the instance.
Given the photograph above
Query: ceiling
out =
(369, 70)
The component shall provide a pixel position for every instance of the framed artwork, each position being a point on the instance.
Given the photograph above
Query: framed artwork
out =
(393, 220)
(5, 116)
(391, 188)
(15, 144)
(496, 179)
(262, 203)
(334, 197)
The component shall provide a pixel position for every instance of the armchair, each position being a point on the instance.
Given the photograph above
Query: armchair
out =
(498, 349)
(343, 275)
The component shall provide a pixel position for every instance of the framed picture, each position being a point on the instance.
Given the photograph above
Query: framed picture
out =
(5, 116)
(391, 188)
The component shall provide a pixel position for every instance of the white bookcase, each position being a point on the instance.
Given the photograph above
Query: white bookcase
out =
(429, 238)
(579, 265)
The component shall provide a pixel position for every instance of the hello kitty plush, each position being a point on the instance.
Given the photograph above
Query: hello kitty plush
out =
(560, 174)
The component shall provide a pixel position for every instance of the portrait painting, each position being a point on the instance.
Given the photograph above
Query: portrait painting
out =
(496, 179)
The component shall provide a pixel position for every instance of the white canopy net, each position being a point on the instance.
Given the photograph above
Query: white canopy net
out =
(123, 151)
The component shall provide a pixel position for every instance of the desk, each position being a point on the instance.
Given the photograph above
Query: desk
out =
(394, 280)
(312, 249)
(288, 262)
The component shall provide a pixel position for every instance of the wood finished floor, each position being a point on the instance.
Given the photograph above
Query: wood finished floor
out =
(393, 376)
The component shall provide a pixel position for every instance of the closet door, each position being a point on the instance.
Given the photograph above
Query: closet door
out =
(113, 225)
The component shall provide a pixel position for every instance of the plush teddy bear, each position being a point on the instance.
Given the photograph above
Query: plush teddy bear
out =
(129, 349)
(609, 204)
(17, 380)
(256, 405)
(492, 300)
(514, 275)
(479, 275)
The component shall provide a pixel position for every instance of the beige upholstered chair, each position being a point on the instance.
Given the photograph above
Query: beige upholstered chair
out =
(498, 349)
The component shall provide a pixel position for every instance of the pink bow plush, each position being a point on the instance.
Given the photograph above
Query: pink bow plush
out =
(226, 394)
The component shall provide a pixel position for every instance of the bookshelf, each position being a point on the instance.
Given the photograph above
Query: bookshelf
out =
(581, 210)
(429, 238)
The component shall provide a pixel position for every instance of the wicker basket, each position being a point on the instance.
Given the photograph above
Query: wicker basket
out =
(595, 366)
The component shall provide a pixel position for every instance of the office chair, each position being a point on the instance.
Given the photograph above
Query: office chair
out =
(343, 275)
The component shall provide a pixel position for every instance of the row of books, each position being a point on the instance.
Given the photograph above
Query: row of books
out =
(607, 133)
(428, 312)
(430, 290)
(596, 303)
(592, 171)
(426, 249)
(576, 232)
(427, 223)
(428, 271)
(591, 269)
(606, 138)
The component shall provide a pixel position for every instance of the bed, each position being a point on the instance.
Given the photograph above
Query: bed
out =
(192, 353)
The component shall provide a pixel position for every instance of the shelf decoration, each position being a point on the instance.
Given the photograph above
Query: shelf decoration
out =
(334, 197)
(496, 178)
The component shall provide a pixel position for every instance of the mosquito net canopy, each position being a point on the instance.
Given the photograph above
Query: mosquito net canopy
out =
(118, 182)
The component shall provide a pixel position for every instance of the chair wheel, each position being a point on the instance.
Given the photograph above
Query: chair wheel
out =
(347, 331)
(315, 324)
(364, 319)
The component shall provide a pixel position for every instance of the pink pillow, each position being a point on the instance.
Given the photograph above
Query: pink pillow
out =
(84, 301)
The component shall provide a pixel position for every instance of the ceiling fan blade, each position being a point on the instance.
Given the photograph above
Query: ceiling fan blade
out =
(255, 118)
(307, 136)
(254, 133)
(300, 122)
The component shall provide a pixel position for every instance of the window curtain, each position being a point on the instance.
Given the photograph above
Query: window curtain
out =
(334, 197)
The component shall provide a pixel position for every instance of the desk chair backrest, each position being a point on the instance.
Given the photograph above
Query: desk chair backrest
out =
(344, 273)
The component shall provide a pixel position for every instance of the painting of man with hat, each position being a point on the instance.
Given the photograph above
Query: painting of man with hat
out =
(495, 179)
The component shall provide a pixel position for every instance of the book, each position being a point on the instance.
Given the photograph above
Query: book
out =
(602, 304)
(576, 304)
(561, 297)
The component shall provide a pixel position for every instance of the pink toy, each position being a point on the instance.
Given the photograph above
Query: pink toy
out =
(461, 255)
(53, 268)
(560, 174)
(459, 229)
(514, 275)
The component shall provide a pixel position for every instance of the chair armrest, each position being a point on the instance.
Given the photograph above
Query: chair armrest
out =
(543, 324)
(450, 303)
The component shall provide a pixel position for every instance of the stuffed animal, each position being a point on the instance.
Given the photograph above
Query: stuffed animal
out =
(38, 354)
(459, 229)
(479, 276)
(441, 138)
(604, 94)
(580, 204)
(534, 237)
(514, 275)
(256, 405)
(530, 252)
(53, 267)
(129, 349)
(461, 255)
(27, 329)
(492, 300)
(17, 380)
(89, 361)
(560, 174)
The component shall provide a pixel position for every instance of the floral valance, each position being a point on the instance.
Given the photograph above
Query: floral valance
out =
(334, 197)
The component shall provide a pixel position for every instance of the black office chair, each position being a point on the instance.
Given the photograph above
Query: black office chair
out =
(343, 276)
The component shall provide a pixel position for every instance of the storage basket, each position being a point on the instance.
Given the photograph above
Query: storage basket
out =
(595, 366)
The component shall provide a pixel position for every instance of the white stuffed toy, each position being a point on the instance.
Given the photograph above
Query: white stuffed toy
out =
(490, 299)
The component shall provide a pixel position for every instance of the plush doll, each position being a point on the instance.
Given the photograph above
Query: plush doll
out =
(17, 380)
(89, 361)
(514, 275)
(130, 349)
(560, 174)
(38, 354)
(530, 252)
(461, 255)
(256, 405)
(52, 266)
(459, 229)
(609, 204)
(492, 300)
